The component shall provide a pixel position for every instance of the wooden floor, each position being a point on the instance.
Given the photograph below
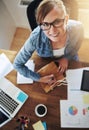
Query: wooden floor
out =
(22, 34)
(19, 39)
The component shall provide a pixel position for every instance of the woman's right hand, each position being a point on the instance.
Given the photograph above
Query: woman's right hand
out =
(50, 79)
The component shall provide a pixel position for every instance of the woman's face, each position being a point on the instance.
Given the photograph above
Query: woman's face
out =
(58, 22)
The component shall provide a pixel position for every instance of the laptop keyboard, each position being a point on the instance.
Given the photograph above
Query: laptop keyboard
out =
(7, 102)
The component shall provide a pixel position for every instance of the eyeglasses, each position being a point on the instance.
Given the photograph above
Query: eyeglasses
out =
(56, 23)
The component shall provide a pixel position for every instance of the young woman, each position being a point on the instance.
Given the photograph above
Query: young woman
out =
(56, 36)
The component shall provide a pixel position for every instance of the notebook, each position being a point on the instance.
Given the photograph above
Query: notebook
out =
(11, 100)
(48, 69)
(22, 79)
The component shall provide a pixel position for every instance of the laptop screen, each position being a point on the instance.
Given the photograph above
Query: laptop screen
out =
(4, 118)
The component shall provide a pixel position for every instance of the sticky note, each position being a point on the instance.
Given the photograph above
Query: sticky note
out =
(86, 98)
(38, 126)
(45, 125)
(22, 97)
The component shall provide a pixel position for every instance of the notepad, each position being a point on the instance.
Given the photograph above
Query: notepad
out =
(38, 126)
(22, 79)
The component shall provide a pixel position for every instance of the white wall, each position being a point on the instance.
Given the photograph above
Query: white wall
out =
(7, 27)
(20, 17)
(17, 12)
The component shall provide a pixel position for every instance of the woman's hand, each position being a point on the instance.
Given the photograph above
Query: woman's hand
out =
(50, 79)
(63, 65)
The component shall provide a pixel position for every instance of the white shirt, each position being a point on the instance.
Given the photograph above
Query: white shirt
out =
(58, 52)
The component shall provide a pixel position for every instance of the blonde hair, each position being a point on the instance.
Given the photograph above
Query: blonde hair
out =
(46, 6)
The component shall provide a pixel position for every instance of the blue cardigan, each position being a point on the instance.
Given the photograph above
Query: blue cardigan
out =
(40, 43)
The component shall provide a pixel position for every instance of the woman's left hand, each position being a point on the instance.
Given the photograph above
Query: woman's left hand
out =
(63, 64)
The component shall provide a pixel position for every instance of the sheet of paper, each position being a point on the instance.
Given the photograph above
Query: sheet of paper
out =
(74, 114)
(5, 65)
(75, 110)
(23, 80)
(38, 126)
(74, 78)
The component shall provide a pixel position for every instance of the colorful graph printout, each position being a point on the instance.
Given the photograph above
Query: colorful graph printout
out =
(86, 111)
(73, 110)
(74, 114)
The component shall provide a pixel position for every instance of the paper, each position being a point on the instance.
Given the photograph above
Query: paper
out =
(75, 110)
(74, 79)
(38, 126)
(23, 80)
(74, 114)
(5, 65)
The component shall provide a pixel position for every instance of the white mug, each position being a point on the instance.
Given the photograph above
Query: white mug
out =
(40, 110)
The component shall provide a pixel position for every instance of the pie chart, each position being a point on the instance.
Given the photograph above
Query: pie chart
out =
(73, 110)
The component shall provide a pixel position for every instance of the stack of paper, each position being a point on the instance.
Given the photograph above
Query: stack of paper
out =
(23, 80)
(75, 111)
(5, 65)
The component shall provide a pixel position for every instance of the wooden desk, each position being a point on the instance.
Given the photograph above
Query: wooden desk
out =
(10, 54)
(37, 95)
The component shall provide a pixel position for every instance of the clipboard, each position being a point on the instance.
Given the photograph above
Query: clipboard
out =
(48, 69)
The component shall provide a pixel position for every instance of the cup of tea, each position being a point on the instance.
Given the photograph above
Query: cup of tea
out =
(40, 110)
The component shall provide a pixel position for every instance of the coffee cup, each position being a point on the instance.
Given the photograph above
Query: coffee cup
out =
(40, 110)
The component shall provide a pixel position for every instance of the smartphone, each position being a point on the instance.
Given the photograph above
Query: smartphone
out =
(85, 81)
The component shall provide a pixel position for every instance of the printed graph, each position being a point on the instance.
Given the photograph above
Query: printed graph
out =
(86, 111)
(72, 110)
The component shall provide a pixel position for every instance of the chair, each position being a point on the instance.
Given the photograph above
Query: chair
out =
(71, 6)
(31, 13)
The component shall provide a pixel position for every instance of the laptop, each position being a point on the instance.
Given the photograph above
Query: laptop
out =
(11, 100)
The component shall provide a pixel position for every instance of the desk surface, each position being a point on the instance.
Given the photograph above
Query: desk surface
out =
(37, 95)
